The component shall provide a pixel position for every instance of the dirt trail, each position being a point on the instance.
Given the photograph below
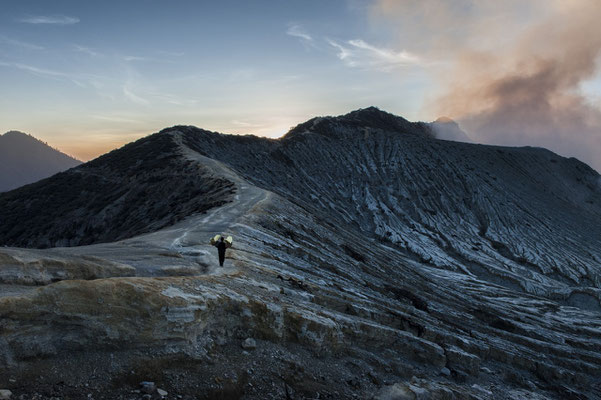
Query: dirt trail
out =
(183, 248)
(190, 238)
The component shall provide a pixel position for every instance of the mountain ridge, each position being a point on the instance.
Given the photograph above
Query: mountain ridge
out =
(370, 117)
(27, 159)
(429, 186)
(366, 262)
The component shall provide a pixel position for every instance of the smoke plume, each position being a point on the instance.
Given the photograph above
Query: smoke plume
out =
(517, 78)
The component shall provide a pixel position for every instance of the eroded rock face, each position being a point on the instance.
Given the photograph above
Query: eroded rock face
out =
(26, 267)
(316, 316)
(334, 310)
(517, 217)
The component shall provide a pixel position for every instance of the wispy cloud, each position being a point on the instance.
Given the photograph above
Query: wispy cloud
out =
(94, 82)
(34, 70)
(135, 58)
(298, 32)
(19, 43)
(358, 53)
(244, 124)
(50, 19)
(171, 53)
(86, 50)
(343, 53)
(40, 71)
(131, 96)
(386, 56)
(117, 119)
(173, 99)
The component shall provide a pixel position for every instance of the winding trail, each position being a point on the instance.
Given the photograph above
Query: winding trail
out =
(182, 249)
(190, 237)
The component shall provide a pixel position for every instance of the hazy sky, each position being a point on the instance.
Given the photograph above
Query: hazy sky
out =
(89, 76)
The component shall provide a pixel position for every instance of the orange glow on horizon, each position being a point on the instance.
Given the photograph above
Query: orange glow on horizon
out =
(86, 152)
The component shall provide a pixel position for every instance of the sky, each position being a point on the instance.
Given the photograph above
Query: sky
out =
(87, 77)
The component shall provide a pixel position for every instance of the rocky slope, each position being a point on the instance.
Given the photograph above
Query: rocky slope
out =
(522, 217)
(370, 261)
(26, 159)
(142, 187)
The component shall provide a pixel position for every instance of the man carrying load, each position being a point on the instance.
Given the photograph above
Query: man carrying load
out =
(221, 245)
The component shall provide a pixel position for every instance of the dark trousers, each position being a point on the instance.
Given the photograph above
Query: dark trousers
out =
(221, 258)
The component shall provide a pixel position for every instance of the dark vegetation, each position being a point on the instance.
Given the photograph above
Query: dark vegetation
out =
(142, 187)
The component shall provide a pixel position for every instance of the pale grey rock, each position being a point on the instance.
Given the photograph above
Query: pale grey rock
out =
(482, 390)
(148, 387)
(32, 267)
(395, 392)
(249, 344)
(398, 253)
(5, 394)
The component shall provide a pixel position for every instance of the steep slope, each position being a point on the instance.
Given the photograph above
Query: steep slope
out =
(26, 159)
(141, 187)
(331, 314)
(522, 217)
(370, 259)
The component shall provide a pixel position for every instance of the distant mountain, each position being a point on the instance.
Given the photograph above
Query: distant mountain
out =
(25, 159)
(447, 129)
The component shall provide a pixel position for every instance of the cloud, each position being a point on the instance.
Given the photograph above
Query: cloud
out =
(386, 56)
(296, 31)
(117, 119)
(358, 53)
(344, 54)
(86, 50)
(34, 70)
(171, 53)
(244, 124)
(81, 80)
(18, 43)
(172, 99)
(163, 60)
(50, 19)
(514, 70)
(131, 96)
(135, 58)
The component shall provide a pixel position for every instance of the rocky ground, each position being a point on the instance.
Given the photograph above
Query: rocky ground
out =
(309, 305)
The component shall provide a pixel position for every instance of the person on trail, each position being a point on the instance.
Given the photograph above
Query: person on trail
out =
(221, 246)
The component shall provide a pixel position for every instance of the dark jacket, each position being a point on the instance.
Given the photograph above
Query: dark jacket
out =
(220, 247)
